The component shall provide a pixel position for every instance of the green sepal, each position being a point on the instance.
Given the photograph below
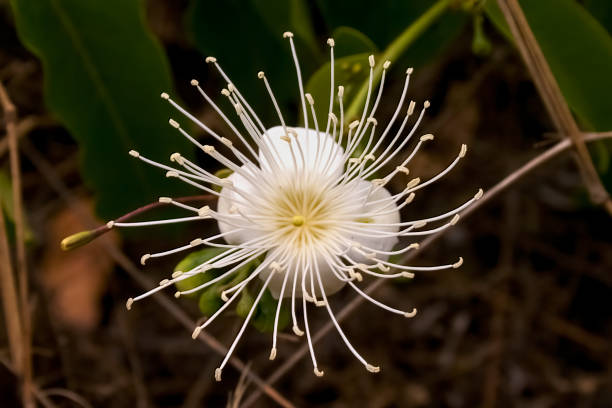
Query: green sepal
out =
(193, 260)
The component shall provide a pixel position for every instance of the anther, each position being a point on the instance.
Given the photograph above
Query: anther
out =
(224, 296)
(403, 169)
(386, 64)
(409, 199)
(333, 118)
(164, 282)
(110, 224)
(261, 75)
(320, 303)
(176, 157)
(382, 267)
(231, 87)
(297, 331)
(458, 263)
(195, 82)
(174, 123)
(208, 149)
(479, 194)
(413, 182)
(318, 372)
(165, 200)
(225, 92)
(409, 71)
(204, 211)
(463, 150)
(427, 137)
(340, 91)
(273, 353)
(407, 275)
(309, 98)
(331, 42)
(177, 295)
(411, 313)
(372, 120)
(239, 109)
(143, 259)
(172, 173)
(165, 96)
(426, 104)
(210, 60)
(411, 106)
(353, 124)
(371, 61)
(218, 374)
(196, 332)
(419, 224)
(134, 153)
(372, 369)
(358, 276)
(287, 34)
(226, 141)
(129, 303)
(196, 242)
(176, 274)
(414, 245)
(455, 219)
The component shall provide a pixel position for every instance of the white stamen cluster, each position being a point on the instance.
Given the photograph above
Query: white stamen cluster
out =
(304, 200)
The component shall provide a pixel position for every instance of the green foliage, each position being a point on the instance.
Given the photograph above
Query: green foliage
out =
(103, 76)
(602, 11)
(191, 261)
(265, 311)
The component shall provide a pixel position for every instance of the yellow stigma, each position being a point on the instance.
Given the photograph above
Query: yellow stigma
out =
(298, 220)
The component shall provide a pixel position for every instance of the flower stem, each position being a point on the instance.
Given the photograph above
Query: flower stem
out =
(396, 48)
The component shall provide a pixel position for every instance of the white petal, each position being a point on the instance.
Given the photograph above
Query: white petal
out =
(390, 216)
(322, 157)
(229, 199)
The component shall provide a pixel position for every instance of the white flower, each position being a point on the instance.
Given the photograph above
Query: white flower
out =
(304, 198)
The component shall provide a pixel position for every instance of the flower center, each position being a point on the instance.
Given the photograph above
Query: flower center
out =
(298, 220)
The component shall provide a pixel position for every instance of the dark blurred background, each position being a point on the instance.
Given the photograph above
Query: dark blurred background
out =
(526, 321)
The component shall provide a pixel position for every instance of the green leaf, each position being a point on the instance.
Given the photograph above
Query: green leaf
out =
(193, 260)
(210, 300)
(350, 41)
(103, 75)
(265, 311)
(253, 42)
(579, 51)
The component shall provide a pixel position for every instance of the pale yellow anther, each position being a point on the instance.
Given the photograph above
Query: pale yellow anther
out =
(318, 372)
(177, 295)
(382, 267)
(402, 169)
(369, 156)
(373, 121)
(458, 263)
(479, 194)
(224, 296)
(218, 374)
(333, 118)
(463, 150)
(171, 173)
(411, 313)
(196, 242)
(412, 183)
(164, 282)
(287, 34)
(129, 303)
(407, 275)
(164, 95)
(176, 274)
(204, 211)
(261, 75)
(134, 153)
(353, 124)
(427, 137)
(414, 245)
(110, 224)
(208, 149)
(231, 87)
(426, 104)
(176, 157)
(411, 107)
(340, 91)
(409, 198)
(165, 200)
(196, 332)
(195, 82)
(386, 64)
(297, 331)
(419, 224)
(331, 42)
(210, 60)
(371, 61)
(309, 98)
(273, 353)
(226, 141)
(372, 369)
(239, 110)
(409, 71)
(225, 92)
(455, 219)
(143, 259)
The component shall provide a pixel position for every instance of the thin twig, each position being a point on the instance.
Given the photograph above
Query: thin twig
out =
(358, 300)
(553, 98)
(10, 117)
(47, 171)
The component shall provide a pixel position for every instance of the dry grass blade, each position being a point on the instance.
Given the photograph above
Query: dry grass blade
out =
(10, 117)
(553, 99)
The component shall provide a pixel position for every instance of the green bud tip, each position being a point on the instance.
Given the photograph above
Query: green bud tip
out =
(76, 240)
